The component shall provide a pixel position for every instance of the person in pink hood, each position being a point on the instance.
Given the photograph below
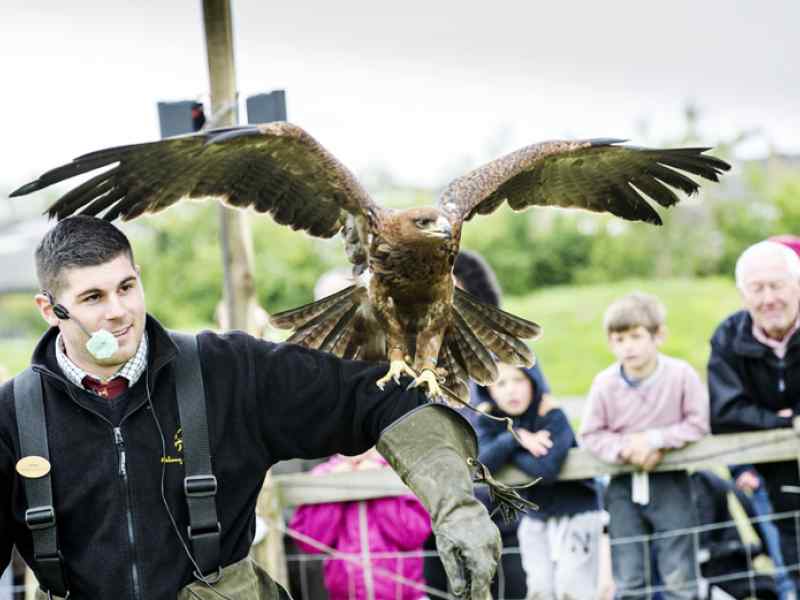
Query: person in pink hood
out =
(374, 527)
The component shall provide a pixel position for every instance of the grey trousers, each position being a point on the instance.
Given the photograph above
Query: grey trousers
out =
(670, 508)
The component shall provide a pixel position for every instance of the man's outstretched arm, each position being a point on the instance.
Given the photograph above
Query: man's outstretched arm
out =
(431, 448)
(314, 404)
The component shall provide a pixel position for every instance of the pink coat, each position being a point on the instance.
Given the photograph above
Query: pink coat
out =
(399, 524)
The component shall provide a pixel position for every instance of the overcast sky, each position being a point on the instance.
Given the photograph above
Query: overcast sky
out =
(420, 89)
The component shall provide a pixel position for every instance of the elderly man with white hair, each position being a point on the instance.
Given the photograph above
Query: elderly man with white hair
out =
(754, 371)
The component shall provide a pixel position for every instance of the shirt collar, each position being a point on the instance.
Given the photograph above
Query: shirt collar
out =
(638, 383)
(132, 370)
(777, 346)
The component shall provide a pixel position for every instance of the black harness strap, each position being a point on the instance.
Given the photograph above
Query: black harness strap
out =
(199, 484)
(40, 516)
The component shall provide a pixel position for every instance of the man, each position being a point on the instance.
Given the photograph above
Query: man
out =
(117, 447)
(755, 356)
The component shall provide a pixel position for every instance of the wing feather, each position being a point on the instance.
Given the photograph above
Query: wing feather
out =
(597, 175)
(275, 168)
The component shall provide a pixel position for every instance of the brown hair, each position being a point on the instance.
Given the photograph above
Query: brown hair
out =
(634, 310)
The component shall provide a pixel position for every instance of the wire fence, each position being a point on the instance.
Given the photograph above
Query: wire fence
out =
(755, 569)
(755, 577)
(713, 451)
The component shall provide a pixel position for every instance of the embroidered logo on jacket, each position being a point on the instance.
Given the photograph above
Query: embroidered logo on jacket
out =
(177, 442)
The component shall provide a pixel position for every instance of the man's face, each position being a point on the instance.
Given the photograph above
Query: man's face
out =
(107, 296)
(512, 390)
(636, 349)
(771, 294)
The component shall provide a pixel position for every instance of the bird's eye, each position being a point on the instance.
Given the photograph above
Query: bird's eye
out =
(424, 222)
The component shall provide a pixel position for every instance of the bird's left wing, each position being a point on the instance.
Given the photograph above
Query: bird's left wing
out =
(598, 175)
(276, 168)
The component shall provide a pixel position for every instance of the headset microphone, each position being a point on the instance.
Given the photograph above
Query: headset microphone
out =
(102, 344)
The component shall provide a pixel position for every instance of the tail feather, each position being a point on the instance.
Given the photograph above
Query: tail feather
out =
(340, 334)
(295, 318)
(506, 347)
(316, 331)
(501, 320)
(475, 358)
(455, 375)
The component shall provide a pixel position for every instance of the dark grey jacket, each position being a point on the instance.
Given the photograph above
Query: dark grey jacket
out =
(747, 383)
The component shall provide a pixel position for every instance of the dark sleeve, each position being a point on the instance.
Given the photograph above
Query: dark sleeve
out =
(312, 404)
(732, 406)
(548, 466)
(495, 450)
(6, 481)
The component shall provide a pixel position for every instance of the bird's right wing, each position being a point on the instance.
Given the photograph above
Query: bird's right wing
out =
(275, 168)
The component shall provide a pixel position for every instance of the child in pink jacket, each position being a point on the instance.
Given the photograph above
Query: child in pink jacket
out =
(383, 525)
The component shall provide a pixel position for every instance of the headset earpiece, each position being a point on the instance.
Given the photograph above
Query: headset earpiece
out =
(61, 312)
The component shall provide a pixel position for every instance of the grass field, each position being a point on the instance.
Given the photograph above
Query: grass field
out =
(573, 348)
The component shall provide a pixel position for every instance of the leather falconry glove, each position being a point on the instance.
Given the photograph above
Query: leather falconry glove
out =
(432, 449)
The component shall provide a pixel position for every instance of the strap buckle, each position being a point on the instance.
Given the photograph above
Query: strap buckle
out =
(40, 517)
(202, 532)
(200, 486)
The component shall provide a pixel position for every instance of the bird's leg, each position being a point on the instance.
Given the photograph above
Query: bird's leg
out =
(428, 346)
(397, 367)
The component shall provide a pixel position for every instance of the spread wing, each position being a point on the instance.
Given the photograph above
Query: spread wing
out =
(597, 175)
(276, 168)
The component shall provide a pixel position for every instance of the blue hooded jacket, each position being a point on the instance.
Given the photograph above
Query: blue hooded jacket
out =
(498, 447)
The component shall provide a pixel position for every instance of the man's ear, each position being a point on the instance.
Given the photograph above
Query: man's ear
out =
(46, 309)
(660, 335)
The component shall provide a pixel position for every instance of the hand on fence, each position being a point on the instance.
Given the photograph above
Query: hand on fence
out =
(638, 451)
(537, 443)
(748, 481)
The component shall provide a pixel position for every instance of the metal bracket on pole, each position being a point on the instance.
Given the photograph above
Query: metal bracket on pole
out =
(219, 117)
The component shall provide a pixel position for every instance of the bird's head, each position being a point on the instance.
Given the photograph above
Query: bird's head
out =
(426, 225)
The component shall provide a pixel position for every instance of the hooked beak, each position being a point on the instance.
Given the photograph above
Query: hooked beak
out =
(443, 229)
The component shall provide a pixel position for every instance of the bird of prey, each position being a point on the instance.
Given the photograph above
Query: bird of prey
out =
(403, 305)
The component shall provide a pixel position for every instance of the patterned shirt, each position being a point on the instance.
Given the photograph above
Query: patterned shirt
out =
(132, 370)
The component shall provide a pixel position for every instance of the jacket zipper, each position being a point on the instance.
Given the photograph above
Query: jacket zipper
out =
(123, 473)
(782, 376)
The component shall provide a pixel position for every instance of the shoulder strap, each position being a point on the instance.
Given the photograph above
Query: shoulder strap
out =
(40, 516)
(199, 484)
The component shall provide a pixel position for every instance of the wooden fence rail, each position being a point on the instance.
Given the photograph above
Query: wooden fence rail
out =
(712, 451)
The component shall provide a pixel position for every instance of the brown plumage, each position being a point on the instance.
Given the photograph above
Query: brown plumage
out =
(403, 304)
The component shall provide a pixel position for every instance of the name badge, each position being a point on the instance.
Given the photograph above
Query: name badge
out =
(33, 467)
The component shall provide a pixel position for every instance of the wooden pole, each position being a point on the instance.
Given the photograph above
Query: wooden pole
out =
(236, 240)
(237, 243)
(269, 553)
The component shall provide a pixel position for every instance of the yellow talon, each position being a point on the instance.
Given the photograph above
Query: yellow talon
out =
(396, 369)
(428, 377)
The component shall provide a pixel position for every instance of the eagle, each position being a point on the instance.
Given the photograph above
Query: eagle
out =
(403, 305)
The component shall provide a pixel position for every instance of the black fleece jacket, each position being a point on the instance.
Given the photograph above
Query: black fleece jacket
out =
(747, 383)
(265, 402)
